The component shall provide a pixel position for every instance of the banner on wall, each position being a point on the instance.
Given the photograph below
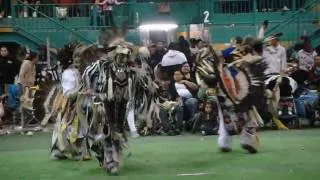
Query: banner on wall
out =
(200, 31)
(196, 31)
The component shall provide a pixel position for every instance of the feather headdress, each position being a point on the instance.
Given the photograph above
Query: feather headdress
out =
(243, 80)
(65, 54)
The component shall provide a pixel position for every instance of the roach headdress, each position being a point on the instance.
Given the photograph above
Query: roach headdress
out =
(65, 55)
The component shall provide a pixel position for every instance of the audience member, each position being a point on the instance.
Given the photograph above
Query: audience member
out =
(9, 68)
(275, 56)
(305, 58)
(27, 74)
(2, 9)
(315, 73)
(193, 47)
(171, 110)
(172, 60)
(107, 8)
(155, 56)
(70, 5)
(207, 120)
(185, 49)
(184, 89)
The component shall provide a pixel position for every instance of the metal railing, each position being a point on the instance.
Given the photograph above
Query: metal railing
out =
(302, 22)
(252, 6)
(87, 14)
(32, 25)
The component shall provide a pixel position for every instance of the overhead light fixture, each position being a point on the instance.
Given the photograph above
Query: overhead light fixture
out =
(164, 27)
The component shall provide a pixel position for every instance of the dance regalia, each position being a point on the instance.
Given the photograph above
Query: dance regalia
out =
(69, 136)
(240, 93)
(110, 81)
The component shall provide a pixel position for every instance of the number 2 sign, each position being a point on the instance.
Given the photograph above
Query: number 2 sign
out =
(206, 17)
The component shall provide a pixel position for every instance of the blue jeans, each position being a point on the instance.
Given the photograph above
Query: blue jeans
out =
(190, 107)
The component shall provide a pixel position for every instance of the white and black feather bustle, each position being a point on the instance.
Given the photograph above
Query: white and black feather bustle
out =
(243, 83)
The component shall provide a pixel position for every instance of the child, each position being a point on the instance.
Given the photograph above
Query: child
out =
(208, 120)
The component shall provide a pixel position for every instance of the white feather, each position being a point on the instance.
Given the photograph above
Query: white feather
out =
(110, 88)
(130, 88)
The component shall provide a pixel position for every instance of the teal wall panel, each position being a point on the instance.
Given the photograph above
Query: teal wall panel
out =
(19, 39)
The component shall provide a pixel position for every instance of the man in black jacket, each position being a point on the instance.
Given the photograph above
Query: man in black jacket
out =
(9, 68)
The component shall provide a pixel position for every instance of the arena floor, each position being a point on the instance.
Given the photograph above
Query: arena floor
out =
(285, 155)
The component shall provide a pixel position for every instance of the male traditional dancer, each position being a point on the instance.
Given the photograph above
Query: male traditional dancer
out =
(240, 93)
(110, 82)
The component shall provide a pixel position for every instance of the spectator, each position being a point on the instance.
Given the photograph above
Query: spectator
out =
(107, 7)
(96, 7)
(171, 111)
(5, 8)
(275, 56)
(27, 78)
(160, 48)
(315, 73)
(185, 49)
(2, 9)
(189, 79)
(27, 74)
(70, 5)
(9, 68)
(155, 56)
(193, 47)
(36, 6)
(208, 120)
(184, 89)
(305, 58)
(172, 60)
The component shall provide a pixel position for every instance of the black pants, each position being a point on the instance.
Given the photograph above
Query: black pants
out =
(109, 21)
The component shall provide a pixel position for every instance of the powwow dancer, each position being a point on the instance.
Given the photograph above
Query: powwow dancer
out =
(111, 83)
(69, 136)
(240, 87)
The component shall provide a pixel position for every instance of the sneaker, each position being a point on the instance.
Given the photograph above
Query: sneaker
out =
(17, 128)
(57, 155)
(134, 134)
(203, 133)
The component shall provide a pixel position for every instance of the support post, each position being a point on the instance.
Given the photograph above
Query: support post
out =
(48, 53)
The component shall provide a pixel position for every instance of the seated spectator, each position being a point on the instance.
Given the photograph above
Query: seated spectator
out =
(306, 57)
(172, 60)
(183, 89)
(186, 71)
(208, 120)
(315, 73)
(171, 110)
